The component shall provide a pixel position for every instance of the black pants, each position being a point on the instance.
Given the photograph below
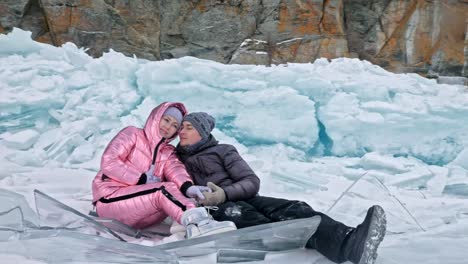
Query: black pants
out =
(329, 239)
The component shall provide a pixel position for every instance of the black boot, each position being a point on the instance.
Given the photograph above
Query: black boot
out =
(330, 238)
(362, 243)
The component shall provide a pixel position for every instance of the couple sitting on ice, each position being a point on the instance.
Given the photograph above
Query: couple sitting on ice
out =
(143, 179)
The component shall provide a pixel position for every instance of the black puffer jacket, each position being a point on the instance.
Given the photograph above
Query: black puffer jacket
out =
(222, 165)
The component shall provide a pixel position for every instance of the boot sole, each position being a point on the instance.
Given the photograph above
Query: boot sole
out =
(221, 230)
(376, 234)
(229, 226)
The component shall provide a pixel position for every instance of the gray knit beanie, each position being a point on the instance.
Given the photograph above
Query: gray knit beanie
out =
(175, 113)
(202, 122)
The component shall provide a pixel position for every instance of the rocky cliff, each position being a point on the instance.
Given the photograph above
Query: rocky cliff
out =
(401, 35)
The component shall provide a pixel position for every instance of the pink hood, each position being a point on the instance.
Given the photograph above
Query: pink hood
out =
(151, 127)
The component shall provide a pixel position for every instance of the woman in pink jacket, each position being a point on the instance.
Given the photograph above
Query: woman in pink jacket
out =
(141, 181)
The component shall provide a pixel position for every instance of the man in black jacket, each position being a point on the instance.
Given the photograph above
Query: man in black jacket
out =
(235, 192)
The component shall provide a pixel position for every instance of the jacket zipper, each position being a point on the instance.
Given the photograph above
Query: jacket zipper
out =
(156, 150)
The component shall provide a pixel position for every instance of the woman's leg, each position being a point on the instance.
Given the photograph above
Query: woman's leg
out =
(141, 206)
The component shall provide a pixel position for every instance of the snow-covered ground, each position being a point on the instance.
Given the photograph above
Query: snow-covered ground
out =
(310, 131)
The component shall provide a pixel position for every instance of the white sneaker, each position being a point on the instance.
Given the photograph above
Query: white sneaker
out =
(177, 228)
(199, 223)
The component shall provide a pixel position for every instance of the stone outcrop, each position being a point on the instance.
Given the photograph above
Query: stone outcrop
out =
(409, 36)
(206, 29)
(132, 27)
(400, 35)
(465, 67)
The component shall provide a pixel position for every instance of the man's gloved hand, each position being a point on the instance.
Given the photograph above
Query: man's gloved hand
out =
(218, 196)
(196, 191)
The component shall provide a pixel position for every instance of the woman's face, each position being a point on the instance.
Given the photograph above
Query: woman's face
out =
(188, 134)
(168, 126)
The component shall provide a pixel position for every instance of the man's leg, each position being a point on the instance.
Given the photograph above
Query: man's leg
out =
(330, 237)
(241, 213)
(277, 209)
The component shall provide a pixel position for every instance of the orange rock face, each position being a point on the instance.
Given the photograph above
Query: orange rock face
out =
(416, 36)
(400, 35)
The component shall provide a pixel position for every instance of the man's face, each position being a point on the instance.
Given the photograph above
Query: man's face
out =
(188, 134)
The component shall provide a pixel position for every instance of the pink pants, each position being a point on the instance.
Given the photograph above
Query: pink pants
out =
(144, 205)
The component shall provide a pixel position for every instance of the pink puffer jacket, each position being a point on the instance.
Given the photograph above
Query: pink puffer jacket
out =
(130, 154)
